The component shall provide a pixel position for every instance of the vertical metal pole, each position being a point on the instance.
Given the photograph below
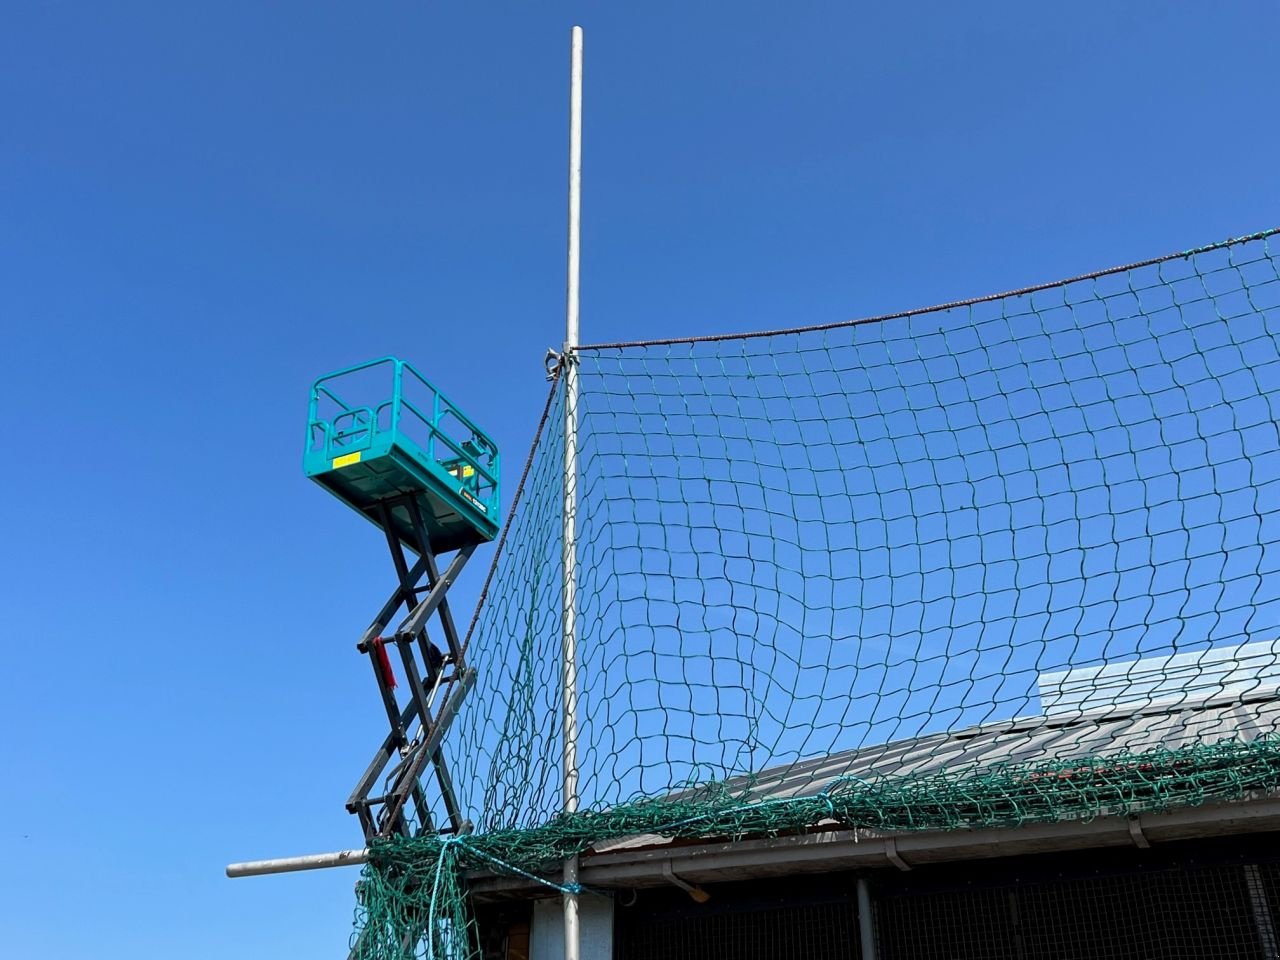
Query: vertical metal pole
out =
(866, 921)
(1263, 921)
(569, 640)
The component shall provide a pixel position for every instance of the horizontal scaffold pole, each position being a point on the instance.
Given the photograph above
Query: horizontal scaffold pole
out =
(311, 861)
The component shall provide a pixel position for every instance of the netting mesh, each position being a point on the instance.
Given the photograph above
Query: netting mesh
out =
(1007, 560)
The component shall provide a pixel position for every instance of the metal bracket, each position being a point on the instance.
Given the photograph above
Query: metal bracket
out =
(891, 853)
(1135, 831)
(696, 892)
(552, 362)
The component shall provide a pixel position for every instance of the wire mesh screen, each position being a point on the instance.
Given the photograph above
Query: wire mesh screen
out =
(1176, 914)
(795, 932)
(1007, 560)
(1125, 910)
(964, 925)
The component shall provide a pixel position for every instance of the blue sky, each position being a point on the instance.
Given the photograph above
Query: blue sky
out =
(201, 209)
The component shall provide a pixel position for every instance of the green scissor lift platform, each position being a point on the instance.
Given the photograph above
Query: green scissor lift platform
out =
(380, 431)
(383, 440)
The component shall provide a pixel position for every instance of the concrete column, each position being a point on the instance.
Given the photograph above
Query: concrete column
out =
(595, 920)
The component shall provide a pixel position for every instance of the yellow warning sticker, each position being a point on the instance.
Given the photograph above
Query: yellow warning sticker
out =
(347, 460)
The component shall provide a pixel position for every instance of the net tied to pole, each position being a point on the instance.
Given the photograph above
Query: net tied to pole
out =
(1007, 560)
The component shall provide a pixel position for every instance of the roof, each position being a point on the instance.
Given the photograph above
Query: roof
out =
(1167, 701)
(1224, 694)
(1065, 735)
(1136, 706)
(1209, 673)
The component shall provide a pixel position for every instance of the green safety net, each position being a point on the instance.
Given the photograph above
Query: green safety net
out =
(1007, 560)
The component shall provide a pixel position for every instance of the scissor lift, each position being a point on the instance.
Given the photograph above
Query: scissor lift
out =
(386, 442)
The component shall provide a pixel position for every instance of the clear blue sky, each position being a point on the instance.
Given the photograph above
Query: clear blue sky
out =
(203, 207)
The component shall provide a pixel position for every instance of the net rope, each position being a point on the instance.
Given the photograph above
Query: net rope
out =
(1007, 560)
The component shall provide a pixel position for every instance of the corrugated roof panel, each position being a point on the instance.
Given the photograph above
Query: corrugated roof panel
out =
(1205, 674)
(1031, 739)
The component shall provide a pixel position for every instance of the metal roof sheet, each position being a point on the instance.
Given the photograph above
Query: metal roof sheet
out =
(1060, 735)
